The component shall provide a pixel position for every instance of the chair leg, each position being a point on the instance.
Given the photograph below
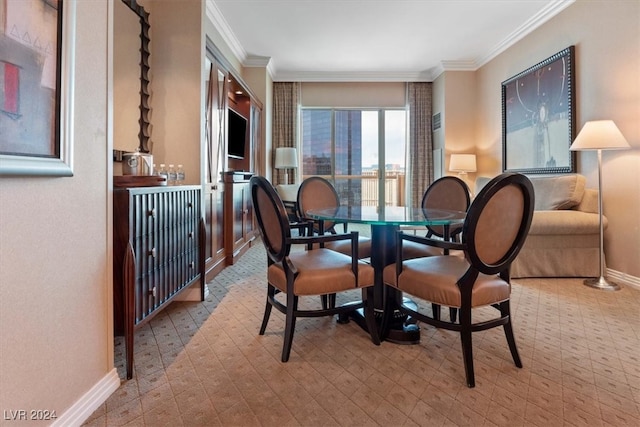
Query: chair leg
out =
(324, 299)
(435, 309)
(453, 313)
(467, 346)
(290, 325)
(267, 309)
(508, 332)
(369, 315)
(332, 300)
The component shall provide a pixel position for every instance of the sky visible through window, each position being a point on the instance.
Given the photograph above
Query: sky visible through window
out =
(395, 135)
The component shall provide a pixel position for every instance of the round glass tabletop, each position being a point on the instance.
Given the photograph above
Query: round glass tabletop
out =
(388, 215)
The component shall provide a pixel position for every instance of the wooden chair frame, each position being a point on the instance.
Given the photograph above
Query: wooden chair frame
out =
(278, 245)
(476, 266)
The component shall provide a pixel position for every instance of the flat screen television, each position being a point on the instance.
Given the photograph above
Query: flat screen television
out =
(237, 134)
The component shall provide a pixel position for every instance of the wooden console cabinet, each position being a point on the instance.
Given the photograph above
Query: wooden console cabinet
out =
(238, 216)
(157, 236)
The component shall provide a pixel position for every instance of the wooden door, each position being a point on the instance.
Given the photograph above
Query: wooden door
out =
(216, 106)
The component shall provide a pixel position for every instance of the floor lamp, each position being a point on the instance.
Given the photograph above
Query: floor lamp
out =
(600, 135)
(286, 158)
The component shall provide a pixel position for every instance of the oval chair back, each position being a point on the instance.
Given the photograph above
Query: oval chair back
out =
(448, 192)
(317, 192)
(498, 222)
(271, 215)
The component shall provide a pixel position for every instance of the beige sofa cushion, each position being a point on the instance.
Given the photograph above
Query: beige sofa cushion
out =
(558, 192)
(589, 202)
(565, 222)
(288, 192)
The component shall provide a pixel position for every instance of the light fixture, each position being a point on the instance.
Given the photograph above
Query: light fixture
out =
(286, 158)
(462, 163)
(600, 135)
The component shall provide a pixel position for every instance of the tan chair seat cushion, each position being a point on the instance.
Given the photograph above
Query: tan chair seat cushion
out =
(412, 250)
(434, 279)
(344, 247)
(321, 271)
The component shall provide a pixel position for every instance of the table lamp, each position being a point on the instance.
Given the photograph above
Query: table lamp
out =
(600, 135)
(286, 158)
(462, 163)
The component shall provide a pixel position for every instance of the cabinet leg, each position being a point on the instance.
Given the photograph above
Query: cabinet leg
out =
(129, 273)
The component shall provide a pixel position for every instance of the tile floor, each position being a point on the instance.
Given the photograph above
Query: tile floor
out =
(204, 364)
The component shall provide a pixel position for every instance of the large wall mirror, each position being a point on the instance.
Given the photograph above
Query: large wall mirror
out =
(131, 108)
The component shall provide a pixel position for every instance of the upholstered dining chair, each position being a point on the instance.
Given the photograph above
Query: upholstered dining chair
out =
(493, 233)
(315, 193)
(451, 193)
(301, 273)
(448, 192)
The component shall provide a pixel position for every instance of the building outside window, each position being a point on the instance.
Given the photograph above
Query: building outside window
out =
(362, 152)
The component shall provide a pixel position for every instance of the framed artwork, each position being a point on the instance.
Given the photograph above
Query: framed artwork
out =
(36, 65)
(538, 117)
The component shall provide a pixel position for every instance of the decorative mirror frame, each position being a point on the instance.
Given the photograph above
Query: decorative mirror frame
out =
(145, 109)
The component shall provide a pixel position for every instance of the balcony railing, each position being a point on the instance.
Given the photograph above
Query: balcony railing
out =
(363, 189)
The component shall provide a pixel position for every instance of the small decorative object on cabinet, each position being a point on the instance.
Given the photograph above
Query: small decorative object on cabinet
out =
(158, 234)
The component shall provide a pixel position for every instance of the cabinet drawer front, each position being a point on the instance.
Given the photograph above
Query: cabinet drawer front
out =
(145, 214)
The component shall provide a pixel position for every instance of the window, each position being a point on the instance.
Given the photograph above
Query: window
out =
(362, 152)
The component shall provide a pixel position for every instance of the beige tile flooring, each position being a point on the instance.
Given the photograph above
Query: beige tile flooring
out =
(205, 364)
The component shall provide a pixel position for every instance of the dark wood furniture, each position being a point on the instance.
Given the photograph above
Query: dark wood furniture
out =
(227, 212)
(156, 253)
(493, 233)
(385, 222)
(316, 271)
(238, 215)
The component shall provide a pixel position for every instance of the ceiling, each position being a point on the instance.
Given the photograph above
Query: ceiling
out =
(374, 40)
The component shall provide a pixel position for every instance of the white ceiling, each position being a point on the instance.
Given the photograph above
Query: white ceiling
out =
(374, 40)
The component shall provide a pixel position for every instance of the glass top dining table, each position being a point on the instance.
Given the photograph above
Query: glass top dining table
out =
(385, 222)
(388, 215)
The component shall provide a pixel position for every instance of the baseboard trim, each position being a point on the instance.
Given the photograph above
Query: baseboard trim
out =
(623, 278)
(84, 407)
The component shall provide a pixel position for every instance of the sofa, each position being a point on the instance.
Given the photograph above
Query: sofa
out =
(564, 238)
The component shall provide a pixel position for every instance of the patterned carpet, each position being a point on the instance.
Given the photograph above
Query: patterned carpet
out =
(205, 364)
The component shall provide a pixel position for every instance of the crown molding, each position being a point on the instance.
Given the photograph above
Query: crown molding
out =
(220, 23)
(227, 34)
(352, 76)
(254, 61)
(551, 10)
(459, 65)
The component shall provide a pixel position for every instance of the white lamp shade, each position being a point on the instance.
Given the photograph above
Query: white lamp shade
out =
(462, 163)
(286, 158)
(599, 135)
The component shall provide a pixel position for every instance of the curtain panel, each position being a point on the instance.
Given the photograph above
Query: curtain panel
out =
(420, 169)
(285, 122)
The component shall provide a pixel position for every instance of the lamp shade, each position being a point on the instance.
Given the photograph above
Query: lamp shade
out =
(599, 135)
(286, 158)
(462, 163)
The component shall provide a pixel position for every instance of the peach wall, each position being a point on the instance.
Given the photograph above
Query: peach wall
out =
(55, 262)
(354, 94)
(177, 96)
(607, 39)
(459, 117)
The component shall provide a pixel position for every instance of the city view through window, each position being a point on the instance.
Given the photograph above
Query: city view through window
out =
(348, 148)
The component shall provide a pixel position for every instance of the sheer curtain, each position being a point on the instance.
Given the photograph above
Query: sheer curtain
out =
(285, 122)
(420, 139)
